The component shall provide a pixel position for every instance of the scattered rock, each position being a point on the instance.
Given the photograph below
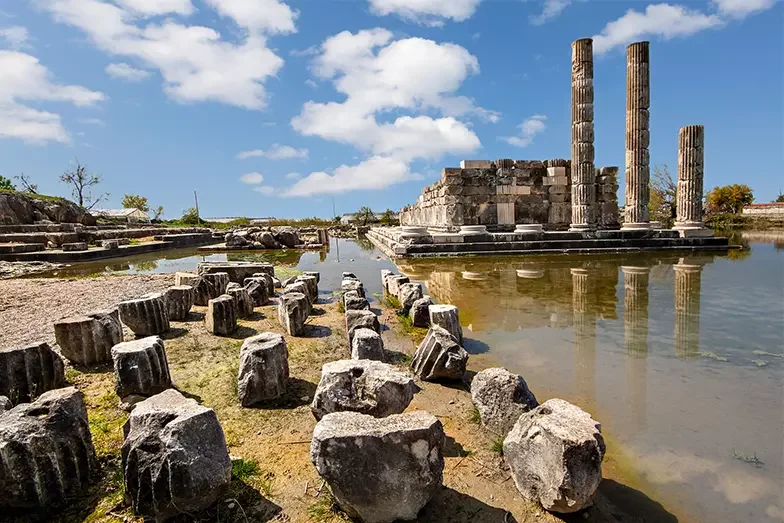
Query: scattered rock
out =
(174, 457)
(145, 316)
(439, 356)
(420, 312)
(75, 246)
(501, 398)
(268, 280)
(349, 276)
(555, 455)
(313, 273)
(384, 275)
(268, 240)
(409, 293)
(257, 288)
(209, 286)
(87, 340)
(365, 386)
(380, 469)
(179, 301)
(30, 371)
(293, 310)
(237, 270)
(447, 316)
(367, 345)
(221, 317)
(47, 451)
(288, 237)
(352, 301)
(140, 367)
(264, 368)
(358, 320)
(242, 298)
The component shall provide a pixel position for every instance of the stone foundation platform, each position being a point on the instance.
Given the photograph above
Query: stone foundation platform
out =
(395, 243)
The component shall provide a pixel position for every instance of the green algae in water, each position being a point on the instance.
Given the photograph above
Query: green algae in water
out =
(764, 353)
(713, 356)
(760, 363)
(751, 460)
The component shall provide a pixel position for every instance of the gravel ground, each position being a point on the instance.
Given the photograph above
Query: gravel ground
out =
(17, 269)
(30, 307)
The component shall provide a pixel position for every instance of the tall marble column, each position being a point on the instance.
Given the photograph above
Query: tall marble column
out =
(583, 173)
(584, 322)
(687, 309)
(638, 103)
(635, 337)
(691, 172)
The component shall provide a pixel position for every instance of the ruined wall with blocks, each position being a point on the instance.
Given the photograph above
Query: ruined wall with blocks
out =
(503, 193)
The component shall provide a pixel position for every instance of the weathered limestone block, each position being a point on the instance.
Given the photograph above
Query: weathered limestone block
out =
(140, 367)
(110, 244)
(394, 283)
(358, 320)
(264, 368)
(420, 312)
(409, 293)
(87, 340)
(349, 276)
(237, 271)
(179, 301)
(380, 469)
(311, 283)
(174, 457)
(555, 454)
(293, 311)
(5, 404)
(501, 398)
(185, 278)
(206, 286)
(47, 452)
(266, 268)
(353, 285)
(76, 246)
(269, 280)
(242, 298)
(352, 301)
(367, 345)
(447, 317)
(257, 289)
(221, 317)
(30, 371)
(364, 386)
(288, 236)
(145, 316)
(313, 273)
(439, 356)
(384, 275)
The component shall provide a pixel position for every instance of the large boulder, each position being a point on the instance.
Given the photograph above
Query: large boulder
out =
(365, 386)
(264, 368)
(179, 301)
(408, 294)
(420, 312)
(360, 319)
(447, 317)
(380, 469)
(299, 287)
(439, 356)
(24, 209)
(268, 241)
(87, 340)
(140, 367)
(501, 397)
(293, 311)
(367, 345)
(555, 454)
(30, 371)
(221, 317)
(288, 237)
(145, 316)
(174, 458)
(46, 452)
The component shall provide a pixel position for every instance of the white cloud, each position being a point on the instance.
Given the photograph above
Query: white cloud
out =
(92, 121)
(15, 35)
(265, 189)
(196, 64)
(271, 16)
(550, 10)
(311, 83)
(742, 8)
(530, 127)
(426, 12)
(252, 178)
(275, 152)
(126, 72)
(293, 176)
(664, 20)
(374, 173)
(25, 79)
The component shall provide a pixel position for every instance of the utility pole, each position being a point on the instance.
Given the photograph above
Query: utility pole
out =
(198, 216)
(334, 214)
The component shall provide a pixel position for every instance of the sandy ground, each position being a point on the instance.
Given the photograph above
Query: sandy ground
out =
(275, 438)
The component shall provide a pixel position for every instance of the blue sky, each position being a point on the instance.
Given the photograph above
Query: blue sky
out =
(272, 108)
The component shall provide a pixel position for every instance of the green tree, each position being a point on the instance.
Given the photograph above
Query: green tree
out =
(5, 183)
(662, 205)
(388, 217)
(779, 198)
(158, 212)
(365, 215)
(134, 201)
(190, 217)
(729, 198)
(81, 180)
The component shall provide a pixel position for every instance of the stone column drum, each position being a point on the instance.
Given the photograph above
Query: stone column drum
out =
(87, 340)
(221, 317)
(583, 174)
(140, 367)
(179, 300)
(264, 369)
(687, 309)
(145, 316)
(691, 172)
(638, 103)
(29, 371)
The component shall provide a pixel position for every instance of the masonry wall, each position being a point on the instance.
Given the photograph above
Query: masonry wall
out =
(503, 193)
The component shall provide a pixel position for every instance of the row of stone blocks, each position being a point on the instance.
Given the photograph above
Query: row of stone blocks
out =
(296, 301)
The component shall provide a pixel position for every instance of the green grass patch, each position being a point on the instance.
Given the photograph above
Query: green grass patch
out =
(341, 306)
(475, 417)
(327, 510)
(391, 301)
(244, 469)
(43, 197)
(498, 446)
(283, 273)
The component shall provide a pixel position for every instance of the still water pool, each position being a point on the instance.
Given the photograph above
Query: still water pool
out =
(680, 358)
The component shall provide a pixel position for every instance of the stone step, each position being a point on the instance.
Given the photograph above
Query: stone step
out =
(40, 237)
(43, 227)
(15, 248)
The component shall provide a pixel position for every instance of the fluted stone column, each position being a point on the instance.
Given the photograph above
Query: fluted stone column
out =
(691, 173)
(584, 322)
(583, 174)
(687, 309)
(635, 337)
(638, 103)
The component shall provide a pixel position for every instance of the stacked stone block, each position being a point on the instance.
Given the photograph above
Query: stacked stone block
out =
(607, 198)
(691, 172)
(583, 175)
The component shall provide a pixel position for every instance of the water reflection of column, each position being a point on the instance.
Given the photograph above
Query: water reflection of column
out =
(687, 309)
(635, 337)
(584, 321)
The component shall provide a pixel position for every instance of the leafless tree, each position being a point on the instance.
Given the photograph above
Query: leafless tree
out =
(27, 184)
(81, 180)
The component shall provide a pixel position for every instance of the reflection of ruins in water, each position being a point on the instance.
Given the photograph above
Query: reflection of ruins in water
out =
(687, 309)
(584, 321)
(635, 342)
